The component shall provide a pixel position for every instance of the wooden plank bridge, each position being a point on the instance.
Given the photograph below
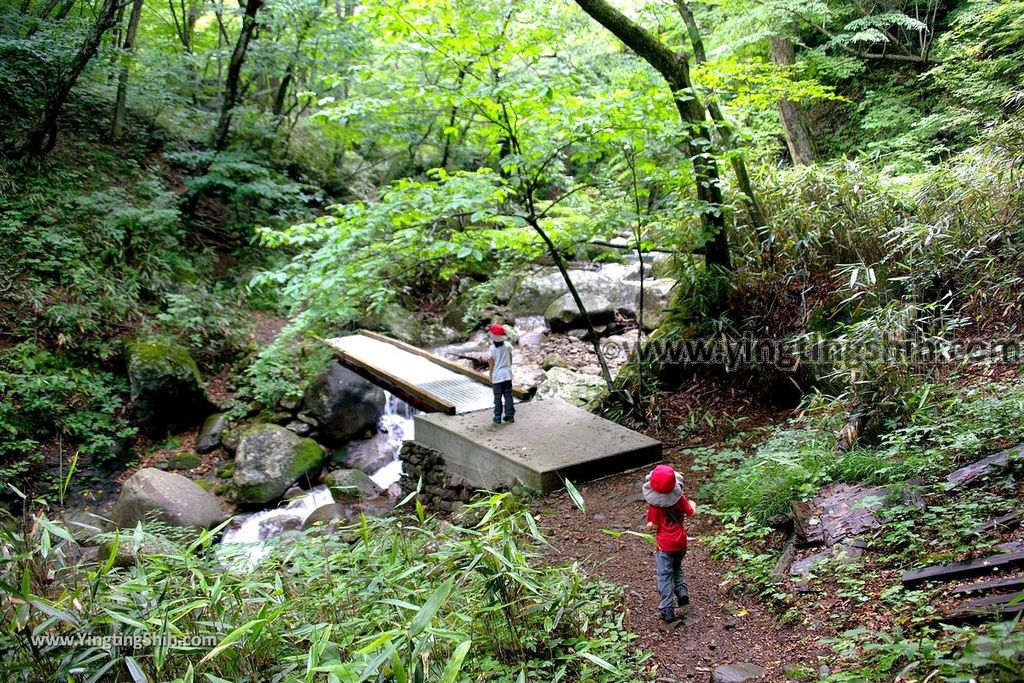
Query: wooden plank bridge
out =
(422, 379)
(549, 440)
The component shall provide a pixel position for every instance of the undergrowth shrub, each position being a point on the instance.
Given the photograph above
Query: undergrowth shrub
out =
(411, 599)
(210, 320)
(795, 460)
(46, 394)
(282, 369)
(878, 267)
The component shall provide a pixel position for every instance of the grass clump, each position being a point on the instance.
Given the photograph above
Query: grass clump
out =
(410, 599)
(796, 459)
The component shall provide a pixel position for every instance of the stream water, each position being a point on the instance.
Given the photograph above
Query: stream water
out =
(250, 532)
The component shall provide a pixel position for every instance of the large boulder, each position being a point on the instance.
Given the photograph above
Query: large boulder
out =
(166, 388)
(351, 485)
(657, 294)
(563, 313)
(538, 290)
(343, 403)
(570, 386)
(396, 322)
(269, 459)
(170, 498)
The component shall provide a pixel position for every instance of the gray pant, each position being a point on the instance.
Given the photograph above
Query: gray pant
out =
(503, 391)
(671, 584)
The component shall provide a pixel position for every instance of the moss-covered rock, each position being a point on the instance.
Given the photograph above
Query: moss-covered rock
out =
(351, 485)
(657, 294)
(183, 461)
(570, 386)
(166, 388)
(210, 433)
(269, 459)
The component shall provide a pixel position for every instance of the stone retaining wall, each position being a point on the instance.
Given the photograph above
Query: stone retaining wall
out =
(442, 490)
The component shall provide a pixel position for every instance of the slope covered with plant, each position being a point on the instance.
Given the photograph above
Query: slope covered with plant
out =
(842, 179)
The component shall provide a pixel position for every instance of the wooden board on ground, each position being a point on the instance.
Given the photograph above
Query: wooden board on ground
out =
(1010, 520)
(959, 570)
(988, 607)
(993, 463)
(995, 584)
(837, 512)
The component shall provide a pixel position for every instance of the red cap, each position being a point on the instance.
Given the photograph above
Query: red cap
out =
(663, 479)
(497, 330)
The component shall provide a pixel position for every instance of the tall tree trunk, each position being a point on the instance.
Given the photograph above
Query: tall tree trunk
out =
(794, 124)
(220, 135)
(44, 132)
(45, 14)
(675, 69)
(281, 95)
(117, 40)
(120, 102)
(729, 141)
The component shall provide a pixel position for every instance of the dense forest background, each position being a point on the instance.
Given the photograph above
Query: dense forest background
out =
(209, 171)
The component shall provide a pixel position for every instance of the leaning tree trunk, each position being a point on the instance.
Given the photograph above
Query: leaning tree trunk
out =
(43, 135)
(675, 69)
(729, 140)
(220, 135)
(120, 102)
(794, 123)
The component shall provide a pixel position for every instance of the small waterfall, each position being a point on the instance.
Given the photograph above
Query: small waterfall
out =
(244, 540)
(397, 426)
(531, 323)
(250, 531)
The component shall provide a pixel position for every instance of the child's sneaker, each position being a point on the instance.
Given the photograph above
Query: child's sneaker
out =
(683, 599)
(668, 616)
(510, 419)
(497, 420)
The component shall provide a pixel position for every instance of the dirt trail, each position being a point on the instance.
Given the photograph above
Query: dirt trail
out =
(721, 626)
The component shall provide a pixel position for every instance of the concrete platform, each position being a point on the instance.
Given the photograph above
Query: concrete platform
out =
(548, 441)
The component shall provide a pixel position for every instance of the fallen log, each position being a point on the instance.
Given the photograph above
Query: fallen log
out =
(991, 464)
(781, 571)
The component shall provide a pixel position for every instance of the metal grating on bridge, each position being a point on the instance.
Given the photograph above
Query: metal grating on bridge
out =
(422, 379)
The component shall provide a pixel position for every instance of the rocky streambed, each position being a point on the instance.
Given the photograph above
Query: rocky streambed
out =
(333, 455)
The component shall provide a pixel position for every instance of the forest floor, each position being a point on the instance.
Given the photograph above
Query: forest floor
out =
(721, 625)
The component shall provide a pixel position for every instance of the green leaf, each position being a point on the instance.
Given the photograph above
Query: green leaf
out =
(135, 671)
(451, 670)
(575, 495)
(430, 608)
(54, 529)
(598, 661)
(231, 638)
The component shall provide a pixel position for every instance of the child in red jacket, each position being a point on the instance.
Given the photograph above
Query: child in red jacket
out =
(663, 490)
